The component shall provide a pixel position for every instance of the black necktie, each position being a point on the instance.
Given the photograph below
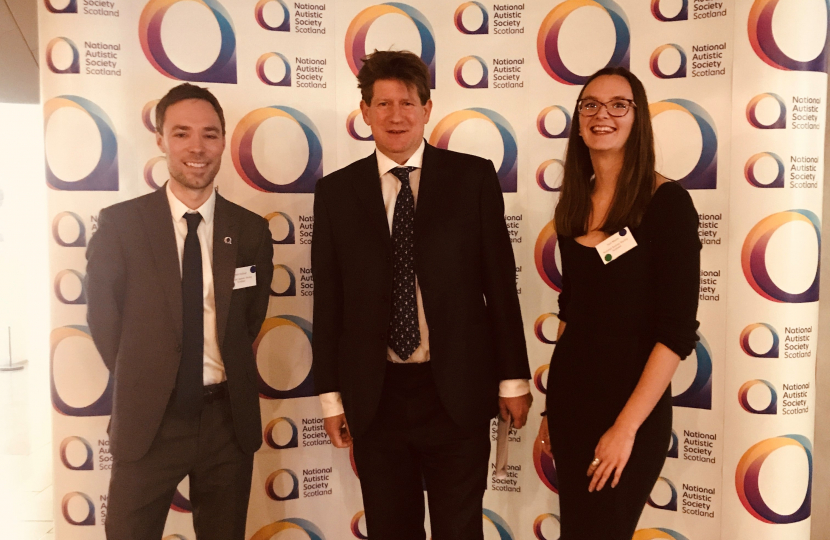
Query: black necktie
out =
(404, 333)
(189, 384)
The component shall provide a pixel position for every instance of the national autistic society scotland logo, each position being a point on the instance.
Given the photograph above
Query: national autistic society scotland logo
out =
(78, 241)
(243, 155)
(682, 14)
(762, 39)
(747, 348)
(306, 387)
(547, 42)
(102, 406)
(699, 393)
(355, 526)
(545, 467)
(259, 13)
(508, 171)
(749, 170)
(743, 397)
(270, 489)
(654, 62)
(90, 516)
(223, 69)
(545, 257)
(459, 68)
(749, 470)
(271, 530)
(754, 255)
(270, 439)
(499, 523)
(104, 177)
(87, 464)
(74, 65)
(537, 525)
(704, 175)
(71, 7)
(359, 27)
(260, 69)
(459, 18)
(752, 116)
(672, 504)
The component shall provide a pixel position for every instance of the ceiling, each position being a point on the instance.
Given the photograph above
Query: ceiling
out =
(19, 82)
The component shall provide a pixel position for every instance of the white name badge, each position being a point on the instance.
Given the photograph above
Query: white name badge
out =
(615, 245)
(244, 277)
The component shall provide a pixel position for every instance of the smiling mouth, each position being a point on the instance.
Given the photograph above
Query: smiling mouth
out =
(602, 130)
(195, 164)
(396, 131)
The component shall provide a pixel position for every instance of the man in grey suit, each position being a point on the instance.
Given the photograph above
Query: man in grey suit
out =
(178, 283)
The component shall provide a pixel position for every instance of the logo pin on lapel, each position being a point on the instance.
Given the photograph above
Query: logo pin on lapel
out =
(228, 240)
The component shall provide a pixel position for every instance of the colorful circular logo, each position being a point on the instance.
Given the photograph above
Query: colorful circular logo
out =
(306, 387)
(508, 171)
(147, 115)
(148, 171)
(459, 68)
(355, 525)
(754, 251)
(747, 348)
(270, 440)
(674, 445)
(545, 467)
(102, 406)
(657, 533)
(271, 530)
(79, 241)
(223, 69)
(704, 175)
(77, 301)
(270, 489)
(743, 397)
(537, 525)
(87, 464)
(259, 13)
(762, 39)
(359, 27)
(682, 15)
(547, 42)
(749, 470)
(749, 171)
(538, 328)
(104, 177)
(499, 523)
(543, 130)
(539, 378)
(291, 289)
(699, 393)
(752, 117)
(71, 7)
(350, 127)
(542, 170)
(679, 73)
(260, 69)
(90, 516)
(672, 504)
(459, 19)
(181, 504)
(74, 65)
(545, 257)
(289, 236)
(243, 155)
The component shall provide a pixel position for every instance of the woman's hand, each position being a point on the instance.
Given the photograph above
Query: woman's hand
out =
(544, 437)
(613, 451)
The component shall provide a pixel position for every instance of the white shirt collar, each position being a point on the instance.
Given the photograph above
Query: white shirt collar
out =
(386, 164)
(178, 209)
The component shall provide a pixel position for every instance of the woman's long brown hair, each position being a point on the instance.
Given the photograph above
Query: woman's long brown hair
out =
(635, 184)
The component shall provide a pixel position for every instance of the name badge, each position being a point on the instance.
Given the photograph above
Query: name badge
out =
(615, 245)
(244, 277)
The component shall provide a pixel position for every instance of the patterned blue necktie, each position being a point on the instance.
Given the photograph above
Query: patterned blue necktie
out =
(404, 333)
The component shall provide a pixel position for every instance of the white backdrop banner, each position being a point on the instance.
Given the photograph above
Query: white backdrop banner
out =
(736, 91)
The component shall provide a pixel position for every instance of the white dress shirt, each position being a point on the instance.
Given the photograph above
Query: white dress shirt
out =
(214, 368)
(390, 186)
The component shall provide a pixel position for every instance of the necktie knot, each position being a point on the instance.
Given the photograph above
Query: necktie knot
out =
(402, 173)
(193, 220)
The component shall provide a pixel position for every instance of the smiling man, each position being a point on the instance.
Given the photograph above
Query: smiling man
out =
(178, 283)
(418, 338)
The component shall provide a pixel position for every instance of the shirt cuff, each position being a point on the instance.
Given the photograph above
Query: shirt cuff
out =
(332, 404)
(513, 388)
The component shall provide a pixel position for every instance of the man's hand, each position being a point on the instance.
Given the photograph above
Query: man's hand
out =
(517, 407)
(338, 430)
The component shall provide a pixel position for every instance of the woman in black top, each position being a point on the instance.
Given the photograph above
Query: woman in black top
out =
(626, 322)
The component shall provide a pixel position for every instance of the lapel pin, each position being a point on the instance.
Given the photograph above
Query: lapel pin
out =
(228, 240)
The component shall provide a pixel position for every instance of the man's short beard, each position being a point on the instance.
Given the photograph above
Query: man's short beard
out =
(182, 179)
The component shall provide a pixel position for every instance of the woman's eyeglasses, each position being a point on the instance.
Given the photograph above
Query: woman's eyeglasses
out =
(615, 107)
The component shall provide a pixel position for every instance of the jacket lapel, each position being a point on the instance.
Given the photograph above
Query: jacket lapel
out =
(158, 223)
(428, 187)
(367, 186)
(224, 263)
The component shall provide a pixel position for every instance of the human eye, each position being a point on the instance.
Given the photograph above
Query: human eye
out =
(619, 104)
(590, 105)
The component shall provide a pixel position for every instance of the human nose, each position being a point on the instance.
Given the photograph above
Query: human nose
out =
(602, 111)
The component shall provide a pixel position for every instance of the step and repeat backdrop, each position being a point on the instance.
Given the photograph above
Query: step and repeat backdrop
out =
(737, 95)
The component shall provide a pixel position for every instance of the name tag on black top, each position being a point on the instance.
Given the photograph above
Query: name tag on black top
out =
(615, 245)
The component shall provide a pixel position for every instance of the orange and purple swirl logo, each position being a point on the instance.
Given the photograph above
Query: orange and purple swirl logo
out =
(359, 28)
(260, 69)
(748, 472)
(499, 523)
(752, 112)
(291, 288)
(271, 490)
(79, 240)
(71, 7)
(658, 533)
(772, 352)
(223, 69)
(704, 175)
(743, 397)
(242, 151)
(754, 257)
(508, 171)
(74, 65)
(541, 173)
(104, 177)
(539, 378)
(545, 467)
(459, 19)
(89, 519)
(538, 328)
(290, 233)
(350, 127)
(271, 530)
(306, 387)
(654, 62)
(542, 117)
(540, 521)
(547, 42)
(270, 438)
(259, 14)
(459, 69)
(101, 406)
(762, 39)
(674, 445)
(749, 171)
(699, 394)
(545, 257)
(147, 113)
(57, 286)
(87, 465)
(180, 503)
(355, 525)
(148, 171)
(671, 505)
(682, 14)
